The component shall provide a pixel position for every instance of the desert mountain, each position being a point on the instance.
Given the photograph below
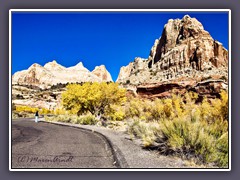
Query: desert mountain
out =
(183, 56)
(53, 73)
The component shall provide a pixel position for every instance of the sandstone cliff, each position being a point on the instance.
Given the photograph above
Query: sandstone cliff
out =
(184, 49)
(53, 73)
(184, 52)
(125, 71)
(34, 75)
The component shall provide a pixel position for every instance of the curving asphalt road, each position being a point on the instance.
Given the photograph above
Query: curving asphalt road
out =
(43, 145)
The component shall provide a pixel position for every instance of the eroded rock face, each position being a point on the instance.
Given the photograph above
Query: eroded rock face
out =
(184, 50)
(102, 73)
(208, 88)
(29, 95)
(34, 75)
(125, 72)
(53, 73)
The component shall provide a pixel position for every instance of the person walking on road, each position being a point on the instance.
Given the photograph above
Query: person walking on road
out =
(36, 116)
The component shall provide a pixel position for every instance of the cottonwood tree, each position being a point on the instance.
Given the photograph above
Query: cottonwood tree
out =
(92, 97)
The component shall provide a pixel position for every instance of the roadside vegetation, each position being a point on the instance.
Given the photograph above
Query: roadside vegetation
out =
(179, 126)
(27, 111)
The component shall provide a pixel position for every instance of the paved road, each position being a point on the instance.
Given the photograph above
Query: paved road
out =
(43, 145)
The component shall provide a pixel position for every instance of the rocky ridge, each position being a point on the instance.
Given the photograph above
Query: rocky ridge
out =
(184, 52)
(53, 73)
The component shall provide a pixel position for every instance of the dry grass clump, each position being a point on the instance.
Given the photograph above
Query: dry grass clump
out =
(186, 129)
(87, 119)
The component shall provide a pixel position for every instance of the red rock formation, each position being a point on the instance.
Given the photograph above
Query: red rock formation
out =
(208, 88)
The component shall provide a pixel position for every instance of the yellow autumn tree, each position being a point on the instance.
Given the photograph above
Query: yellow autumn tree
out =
(95, 97)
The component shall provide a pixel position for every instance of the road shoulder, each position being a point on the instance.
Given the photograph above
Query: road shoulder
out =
(127, 152)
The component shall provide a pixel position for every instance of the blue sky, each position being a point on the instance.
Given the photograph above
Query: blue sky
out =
(110, 38)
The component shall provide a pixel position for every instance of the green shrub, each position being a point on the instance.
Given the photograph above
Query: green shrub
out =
(58, 118)
(186, 138)
(143, 130)
(84, 119)
(222, 146)
(88, 120)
